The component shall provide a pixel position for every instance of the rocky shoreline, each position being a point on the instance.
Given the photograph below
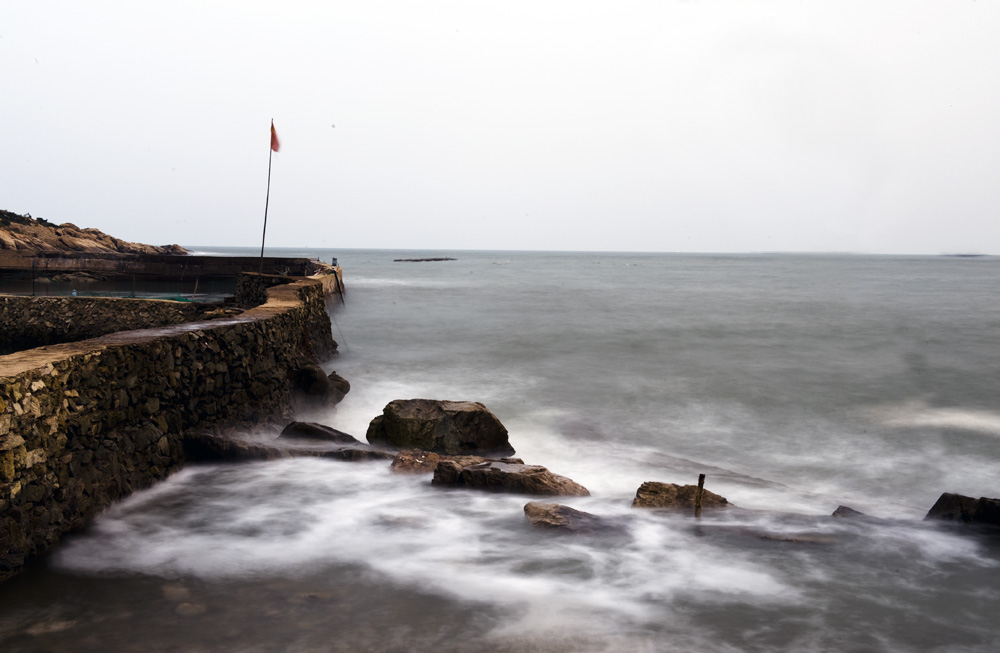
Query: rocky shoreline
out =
(27, 234)
(463, 445)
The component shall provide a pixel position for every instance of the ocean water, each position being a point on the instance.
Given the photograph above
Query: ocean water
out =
(795, 383)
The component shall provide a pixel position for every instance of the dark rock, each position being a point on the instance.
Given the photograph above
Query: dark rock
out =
(417, 461)
(12, 561)
(312, 381)
(652, 494)
(314, 431)
(507, 477)
(355, 454)
(318, 388)
(799, 538)
(843, 512)
(957, 507)
(558, 516)
(987, 511)
(952, 507)
(33, 493)
(339, 387)
(449, 427)
(207, 447)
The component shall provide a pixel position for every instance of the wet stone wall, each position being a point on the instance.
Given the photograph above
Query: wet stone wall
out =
(28, 322)
(84, 423)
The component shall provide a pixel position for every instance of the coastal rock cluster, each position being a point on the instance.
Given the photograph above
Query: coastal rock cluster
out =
(24, 233)
(434, 424)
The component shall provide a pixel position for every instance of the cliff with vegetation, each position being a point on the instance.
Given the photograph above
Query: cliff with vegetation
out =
(25, 234)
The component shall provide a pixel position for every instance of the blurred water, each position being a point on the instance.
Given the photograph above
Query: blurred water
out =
(796, 383)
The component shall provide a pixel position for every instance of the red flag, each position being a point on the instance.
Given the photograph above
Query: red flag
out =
(275, 145)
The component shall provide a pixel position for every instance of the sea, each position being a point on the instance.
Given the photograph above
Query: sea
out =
(795, 383)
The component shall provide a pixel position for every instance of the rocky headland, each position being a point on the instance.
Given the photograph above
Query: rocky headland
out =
(24, 233)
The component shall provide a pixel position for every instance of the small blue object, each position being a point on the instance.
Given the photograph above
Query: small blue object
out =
(74, 293)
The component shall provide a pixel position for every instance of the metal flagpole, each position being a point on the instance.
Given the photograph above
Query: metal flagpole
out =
(267, 200)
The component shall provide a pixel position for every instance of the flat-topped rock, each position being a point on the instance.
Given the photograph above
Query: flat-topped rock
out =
(653, 494)
(444, 427)
(556, 516)
(417, 461)
(210, 447)
(507, 477)
(314, 431)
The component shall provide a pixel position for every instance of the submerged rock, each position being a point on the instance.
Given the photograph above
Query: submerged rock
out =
(355, 454)
(558, 516)
(418, 461)
(957, 507)
(507, 477)
(844, 512)
(415, 461)
(209, 447)
(448, 427)
(652, 494)
(314, 431)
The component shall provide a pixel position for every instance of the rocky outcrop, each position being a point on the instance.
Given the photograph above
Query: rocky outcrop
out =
(417, 461)
(339, 387)
(652, 494)
(212, 448)
(507, 477)
(559, 517)
(315, 387)
(215, 448)
(314, 431)
(24, 233)
(449, 427)
(956, 507)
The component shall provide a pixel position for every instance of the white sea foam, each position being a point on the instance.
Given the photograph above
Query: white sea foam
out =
(919, 414)
(289, 517)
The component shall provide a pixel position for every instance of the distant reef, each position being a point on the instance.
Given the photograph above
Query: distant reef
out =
(27, 234)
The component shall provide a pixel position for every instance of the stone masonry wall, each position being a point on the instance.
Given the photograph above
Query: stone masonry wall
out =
(28, 322)
(251, 289)
(82, 424)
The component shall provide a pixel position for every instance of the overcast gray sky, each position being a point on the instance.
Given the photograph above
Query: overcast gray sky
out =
(646, 125)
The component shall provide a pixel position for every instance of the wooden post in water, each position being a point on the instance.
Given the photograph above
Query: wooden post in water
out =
(698, 495)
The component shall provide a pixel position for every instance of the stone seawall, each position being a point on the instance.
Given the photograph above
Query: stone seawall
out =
(29, 322)
(84, 423)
